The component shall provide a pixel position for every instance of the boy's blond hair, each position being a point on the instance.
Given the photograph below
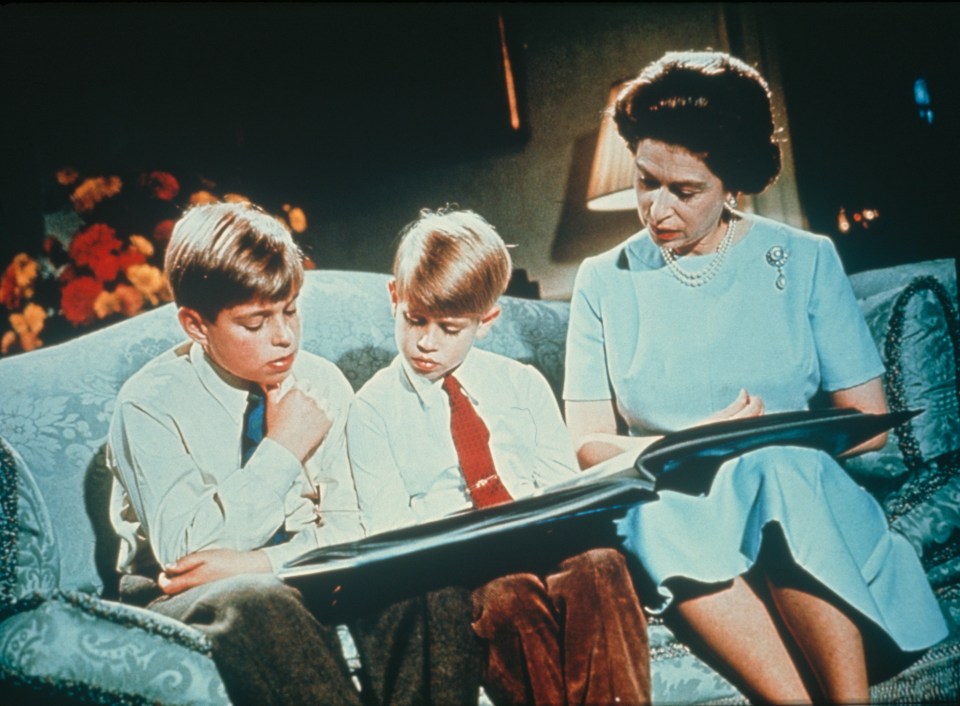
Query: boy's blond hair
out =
(225, 254)
(451, 263)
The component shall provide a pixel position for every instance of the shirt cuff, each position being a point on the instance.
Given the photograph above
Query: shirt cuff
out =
(275, 466)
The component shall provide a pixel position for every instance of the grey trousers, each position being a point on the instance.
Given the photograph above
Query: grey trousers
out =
(270, 649)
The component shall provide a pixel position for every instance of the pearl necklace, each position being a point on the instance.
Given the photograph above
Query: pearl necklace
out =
(701, 277)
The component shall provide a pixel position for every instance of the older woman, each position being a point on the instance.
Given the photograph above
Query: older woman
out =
(785, 568)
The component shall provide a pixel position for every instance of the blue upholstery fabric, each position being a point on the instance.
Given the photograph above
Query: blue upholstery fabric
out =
(912, 314)
(31, 562)
(86, 648)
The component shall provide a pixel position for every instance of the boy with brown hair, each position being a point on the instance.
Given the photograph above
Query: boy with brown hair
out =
(447, 427)
(229, 460)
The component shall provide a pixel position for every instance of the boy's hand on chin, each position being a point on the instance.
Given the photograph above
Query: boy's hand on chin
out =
(297, 419)
(209, 565)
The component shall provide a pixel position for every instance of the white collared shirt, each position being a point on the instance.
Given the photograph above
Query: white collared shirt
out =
(179, 487)
(404, 462)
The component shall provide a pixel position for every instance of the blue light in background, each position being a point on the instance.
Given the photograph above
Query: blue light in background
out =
(922, 98)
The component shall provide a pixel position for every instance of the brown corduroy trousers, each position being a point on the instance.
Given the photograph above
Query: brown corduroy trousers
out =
(573, 636)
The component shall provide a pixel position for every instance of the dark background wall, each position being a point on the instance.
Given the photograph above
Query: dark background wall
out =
(364, 113)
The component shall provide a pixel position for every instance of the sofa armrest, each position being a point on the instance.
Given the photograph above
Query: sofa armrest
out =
(78, 646)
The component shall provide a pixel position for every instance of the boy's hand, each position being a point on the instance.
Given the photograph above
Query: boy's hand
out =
(297, 420)
(209, 565)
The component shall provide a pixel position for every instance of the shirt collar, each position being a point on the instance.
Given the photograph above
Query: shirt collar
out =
(430, 393)
(229, 390)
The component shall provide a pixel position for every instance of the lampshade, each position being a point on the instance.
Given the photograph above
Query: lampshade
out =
(611, 177)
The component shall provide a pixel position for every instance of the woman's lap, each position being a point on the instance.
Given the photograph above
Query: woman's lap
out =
(833, 529)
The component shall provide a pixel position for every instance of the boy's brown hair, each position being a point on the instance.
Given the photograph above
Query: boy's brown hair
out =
(225, 254)
(451, 263)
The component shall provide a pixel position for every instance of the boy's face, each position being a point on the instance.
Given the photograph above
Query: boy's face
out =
(256, 341)
(434, 346)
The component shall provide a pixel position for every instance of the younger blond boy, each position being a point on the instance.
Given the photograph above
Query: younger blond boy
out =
(447, 427)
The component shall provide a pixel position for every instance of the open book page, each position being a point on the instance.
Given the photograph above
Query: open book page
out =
(623, 465)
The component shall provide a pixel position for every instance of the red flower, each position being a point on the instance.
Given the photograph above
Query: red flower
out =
(130, 256)
(77, 300)
(162, 231)
(163, 185)
(94, 245)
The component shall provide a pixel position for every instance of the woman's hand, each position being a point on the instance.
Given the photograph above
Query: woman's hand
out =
(745, 405)
(209, 565)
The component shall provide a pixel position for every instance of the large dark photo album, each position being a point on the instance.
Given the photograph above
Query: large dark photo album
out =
(476, 545)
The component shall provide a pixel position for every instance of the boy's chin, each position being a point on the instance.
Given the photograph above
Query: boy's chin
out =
(270, 380)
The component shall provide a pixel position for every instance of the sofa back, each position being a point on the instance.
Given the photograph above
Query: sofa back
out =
(56, 403)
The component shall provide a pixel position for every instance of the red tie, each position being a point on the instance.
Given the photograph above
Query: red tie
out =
(471, 439)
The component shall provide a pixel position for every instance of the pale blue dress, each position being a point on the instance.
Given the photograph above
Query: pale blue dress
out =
(670, 355)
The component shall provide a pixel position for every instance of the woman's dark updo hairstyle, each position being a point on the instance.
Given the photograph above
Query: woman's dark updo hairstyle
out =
(712, 104)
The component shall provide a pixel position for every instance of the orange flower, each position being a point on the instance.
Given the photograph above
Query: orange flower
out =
(66, 176)
(199, 198)
(142, 245)
(97, 247)
(150, 282)
(93, 191)
(124, 299)
(298, 220)
(129, 298)
(163, 185)
(77, 299)
(130, 257)
(30, 320)
(235, 198)
(17, 282)
(6, 343)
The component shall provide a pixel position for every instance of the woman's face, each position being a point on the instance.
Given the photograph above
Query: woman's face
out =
(679, 199)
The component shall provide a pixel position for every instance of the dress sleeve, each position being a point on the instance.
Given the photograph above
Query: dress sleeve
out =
(847, 353)
(585, 375)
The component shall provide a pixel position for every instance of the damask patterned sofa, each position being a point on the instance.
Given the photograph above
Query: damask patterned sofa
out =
(62, 637)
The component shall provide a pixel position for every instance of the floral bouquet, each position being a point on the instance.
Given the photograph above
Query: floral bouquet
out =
(102, 257)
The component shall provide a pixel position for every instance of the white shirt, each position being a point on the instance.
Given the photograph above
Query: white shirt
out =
(174, 449)
(404, 462)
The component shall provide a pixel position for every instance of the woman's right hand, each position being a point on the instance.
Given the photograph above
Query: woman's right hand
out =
(745, 405)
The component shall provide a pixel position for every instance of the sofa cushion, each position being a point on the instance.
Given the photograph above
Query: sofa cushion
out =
(30, 561)
(926, 510)
(55, 409)
(79, 647)
(909, 323)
